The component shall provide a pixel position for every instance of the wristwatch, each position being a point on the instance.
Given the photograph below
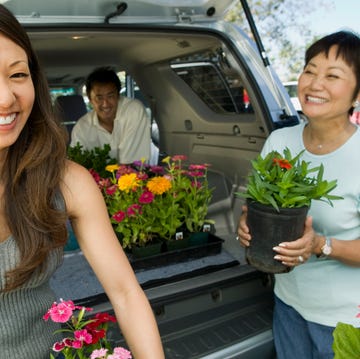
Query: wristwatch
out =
(326, 249)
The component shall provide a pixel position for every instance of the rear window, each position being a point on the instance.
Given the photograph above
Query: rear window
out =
(222, 93)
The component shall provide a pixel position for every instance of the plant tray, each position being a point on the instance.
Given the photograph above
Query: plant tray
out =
(212, 247)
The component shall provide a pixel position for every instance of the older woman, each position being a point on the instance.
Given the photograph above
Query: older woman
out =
(322, 289)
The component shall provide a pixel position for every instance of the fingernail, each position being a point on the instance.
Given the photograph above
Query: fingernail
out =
(276, 249)
(277, 257)
(282, 245)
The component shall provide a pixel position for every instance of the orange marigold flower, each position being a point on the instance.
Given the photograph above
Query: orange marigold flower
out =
(128, 182)
(283, 163)
(158, 185)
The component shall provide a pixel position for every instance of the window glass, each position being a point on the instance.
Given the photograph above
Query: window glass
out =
(61, 91)
(222, 92)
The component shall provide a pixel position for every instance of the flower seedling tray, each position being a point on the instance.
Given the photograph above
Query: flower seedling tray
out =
(212, 247)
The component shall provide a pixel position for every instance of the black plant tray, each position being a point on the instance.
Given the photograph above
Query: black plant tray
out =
(212, 247)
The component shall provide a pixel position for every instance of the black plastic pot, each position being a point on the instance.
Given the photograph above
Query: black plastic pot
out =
(268, 228)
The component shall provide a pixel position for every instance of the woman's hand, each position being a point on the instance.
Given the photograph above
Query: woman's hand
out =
(298, 251)
(243, 235)
(291, 253)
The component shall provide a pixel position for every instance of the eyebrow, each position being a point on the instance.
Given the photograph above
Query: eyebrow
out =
(330, 68)
(18, 62)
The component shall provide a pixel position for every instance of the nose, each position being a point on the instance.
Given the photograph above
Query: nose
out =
(317, 82)
(7, 96)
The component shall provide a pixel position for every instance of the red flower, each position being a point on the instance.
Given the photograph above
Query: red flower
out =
(196, 173)
(157, 169)
(146, 197)
(105, 317)
(179, 158)
(111, 190)
(134, 210)
(119, 216)
(282, 163)
(96, 334)
(58, 346)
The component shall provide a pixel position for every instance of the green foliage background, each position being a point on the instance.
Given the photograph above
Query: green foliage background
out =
(283, 26)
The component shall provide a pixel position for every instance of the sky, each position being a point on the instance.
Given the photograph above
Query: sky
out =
(339, 15)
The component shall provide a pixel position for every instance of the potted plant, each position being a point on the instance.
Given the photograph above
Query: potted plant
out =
(279, 192)
(95, 159)
(150, 204)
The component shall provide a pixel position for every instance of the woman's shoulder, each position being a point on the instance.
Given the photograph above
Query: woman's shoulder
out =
(284, 137)
(78, 184)
(290, 130)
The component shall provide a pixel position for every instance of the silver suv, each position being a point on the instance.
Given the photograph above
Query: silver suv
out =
(213, 98)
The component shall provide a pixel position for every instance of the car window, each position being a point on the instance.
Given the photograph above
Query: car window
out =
(61, 91)
(292, 90)
(222, 93)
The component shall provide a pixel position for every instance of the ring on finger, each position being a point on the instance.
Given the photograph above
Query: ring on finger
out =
(301, 259)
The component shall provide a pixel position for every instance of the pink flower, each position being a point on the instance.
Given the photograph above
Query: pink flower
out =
(197, 167)
(60, 313)
(121, 353)
(77, 344)
(98, 353)
(146, 197)
(119, 216)
(83, 336)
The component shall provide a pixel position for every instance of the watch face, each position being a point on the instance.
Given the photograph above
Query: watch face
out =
(326, 250)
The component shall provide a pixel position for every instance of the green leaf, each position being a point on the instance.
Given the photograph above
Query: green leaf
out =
(346, 342)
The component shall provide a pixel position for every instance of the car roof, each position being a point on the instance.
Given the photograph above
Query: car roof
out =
(134, 11)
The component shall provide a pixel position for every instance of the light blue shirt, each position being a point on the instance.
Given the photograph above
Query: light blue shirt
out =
(326, 291)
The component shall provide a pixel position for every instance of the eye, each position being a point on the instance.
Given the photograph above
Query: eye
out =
(308, 72)
(332, 76)
(19, 75)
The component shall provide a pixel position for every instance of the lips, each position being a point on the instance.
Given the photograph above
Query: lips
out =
(7, 120)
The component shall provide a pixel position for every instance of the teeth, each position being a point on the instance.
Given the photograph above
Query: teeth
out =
(315, 99)
(6, 120)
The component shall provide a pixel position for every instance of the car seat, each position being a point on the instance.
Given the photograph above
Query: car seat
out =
(69, 109)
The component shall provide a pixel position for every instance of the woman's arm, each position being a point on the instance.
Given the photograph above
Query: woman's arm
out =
(104, 253)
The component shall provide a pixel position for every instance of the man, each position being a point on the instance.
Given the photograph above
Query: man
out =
(115, 120)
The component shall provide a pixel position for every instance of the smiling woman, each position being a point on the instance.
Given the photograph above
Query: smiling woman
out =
(17, 92)
(328, 88)
(39, 190)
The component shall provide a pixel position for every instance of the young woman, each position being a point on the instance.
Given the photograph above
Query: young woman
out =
(321, 290)
(39, 190)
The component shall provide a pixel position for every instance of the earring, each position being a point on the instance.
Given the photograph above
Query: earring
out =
(356, 103)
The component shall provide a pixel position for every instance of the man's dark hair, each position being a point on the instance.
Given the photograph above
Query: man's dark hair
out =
(102, 75)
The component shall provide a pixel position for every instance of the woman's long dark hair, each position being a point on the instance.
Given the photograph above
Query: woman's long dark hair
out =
(32, 172)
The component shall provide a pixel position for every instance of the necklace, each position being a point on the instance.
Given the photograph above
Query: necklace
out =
(319, 147)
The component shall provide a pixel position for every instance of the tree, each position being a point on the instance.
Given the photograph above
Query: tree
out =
(283, 28)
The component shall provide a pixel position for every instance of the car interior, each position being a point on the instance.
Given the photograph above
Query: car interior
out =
(210, 98)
